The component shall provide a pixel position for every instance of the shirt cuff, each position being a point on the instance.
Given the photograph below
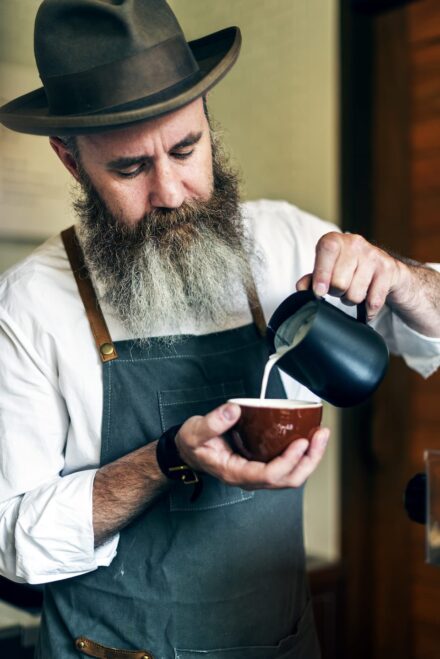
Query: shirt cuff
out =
(54, 536)
(421, 353)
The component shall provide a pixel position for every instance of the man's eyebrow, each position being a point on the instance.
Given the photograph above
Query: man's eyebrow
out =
(129, 161)
(189, 140)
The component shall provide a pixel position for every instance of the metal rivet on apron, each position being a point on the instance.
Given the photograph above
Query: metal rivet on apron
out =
(107, 349)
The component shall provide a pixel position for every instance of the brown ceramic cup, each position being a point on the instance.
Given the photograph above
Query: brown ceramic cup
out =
(266, 427)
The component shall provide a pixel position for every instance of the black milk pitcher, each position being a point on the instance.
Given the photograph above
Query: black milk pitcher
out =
(339, 358)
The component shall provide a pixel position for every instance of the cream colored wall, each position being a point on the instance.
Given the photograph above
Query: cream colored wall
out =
(34, 188)
(279, 110)
(278, 105)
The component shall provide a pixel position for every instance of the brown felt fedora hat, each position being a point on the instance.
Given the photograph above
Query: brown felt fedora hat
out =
(108, 63)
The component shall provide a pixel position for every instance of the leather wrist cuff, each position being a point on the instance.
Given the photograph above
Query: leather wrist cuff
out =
(171, 464)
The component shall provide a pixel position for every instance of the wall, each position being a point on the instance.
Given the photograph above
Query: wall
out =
(278, 105)
(34, 189)
(279, 112)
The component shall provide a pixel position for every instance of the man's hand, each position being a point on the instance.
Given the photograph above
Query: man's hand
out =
(349, 267)
(202, 447)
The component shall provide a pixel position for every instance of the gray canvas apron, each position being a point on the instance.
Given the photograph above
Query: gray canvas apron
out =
(222, 577)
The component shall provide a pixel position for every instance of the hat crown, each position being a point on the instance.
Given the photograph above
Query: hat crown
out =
(109, 63)
(72, 36)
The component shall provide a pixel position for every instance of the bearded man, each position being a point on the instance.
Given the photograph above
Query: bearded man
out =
(121, 343)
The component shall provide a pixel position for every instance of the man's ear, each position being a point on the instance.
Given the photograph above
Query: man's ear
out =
(65, 156)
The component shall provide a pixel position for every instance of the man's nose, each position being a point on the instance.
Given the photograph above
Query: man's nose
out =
(166, 190)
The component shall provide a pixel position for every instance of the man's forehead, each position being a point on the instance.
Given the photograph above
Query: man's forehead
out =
(170, 129)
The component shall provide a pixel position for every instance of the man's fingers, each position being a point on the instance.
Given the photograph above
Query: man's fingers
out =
(377, 295)
(349, 267)
(199, 429)
(342, 276)
(290, 469)
(360, 283)
(327, 254)
(310, 460)
(253, 474)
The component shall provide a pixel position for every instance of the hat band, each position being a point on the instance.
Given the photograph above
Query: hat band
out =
(148, 72)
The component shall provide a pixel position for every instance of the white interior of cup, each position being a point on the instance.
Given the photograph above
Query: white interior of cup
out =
(277, 403)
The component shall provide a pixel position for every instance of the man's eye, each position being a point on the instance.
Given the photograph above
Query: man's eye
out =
(181, 155)
(132, 173)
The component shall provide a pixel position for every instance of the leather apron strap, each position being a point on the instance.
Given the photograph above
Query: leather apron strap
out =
(256, 308)
(103, 340)
(92, 649)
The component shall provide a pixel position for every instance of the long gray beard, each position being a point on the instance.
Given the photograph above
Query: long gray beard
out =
(179, 268)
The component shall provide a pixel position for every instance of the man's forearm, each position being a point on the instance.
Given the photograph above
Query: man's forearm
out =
(125, 488)
(417, 299)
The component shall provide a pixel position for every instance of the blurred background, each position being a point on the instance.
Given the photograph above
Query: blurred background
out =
(334, 105)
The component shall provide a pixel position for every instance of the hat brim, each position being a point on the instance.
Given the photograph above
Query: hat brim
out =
(215, 54)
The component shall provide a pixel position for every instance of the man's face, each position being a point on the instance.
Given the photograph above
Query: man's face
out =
(161, 163)
(161, 227)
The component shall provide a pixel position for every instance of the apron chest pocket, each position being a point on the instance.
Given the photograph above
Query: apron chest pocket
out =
(176, 406)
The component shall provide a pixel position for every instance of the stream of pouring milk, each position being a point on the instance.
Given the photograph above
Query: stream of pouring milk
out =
(269, 366)
(295, 333)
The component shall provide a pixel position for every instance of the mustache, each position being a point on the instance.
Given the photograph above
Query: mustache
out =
(163, 227)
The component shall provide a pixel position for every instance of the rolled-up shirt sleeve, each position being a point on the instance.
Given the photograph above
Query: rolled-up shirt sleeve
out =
(421, 353)
(46, 515)
(47, 534)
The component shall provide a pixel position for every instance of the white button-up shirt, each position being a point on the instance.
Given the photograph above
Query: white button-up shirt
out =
(51, 390)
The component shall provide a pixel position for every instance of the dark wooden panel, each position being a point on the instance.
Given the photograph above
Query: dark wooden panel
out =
(425, 601)
(421, 385)
(417, 533)
(424, 59)
(425, 136)
(425, 174)
(425, 213)
(425, 98)
(391, 185)
(390, 590)
(356, 207)
(425, 81)
(426, 596)
(426, 247)
(390, 134)
(425, 641)
(424, 21)
(425, 581)
(425, 403)
(423, 573)
(426, 436)
(383, 550)
(425, 637)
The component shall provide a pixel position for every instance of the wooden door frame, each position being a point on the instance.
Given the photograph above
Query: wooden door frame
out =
(375, 436)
